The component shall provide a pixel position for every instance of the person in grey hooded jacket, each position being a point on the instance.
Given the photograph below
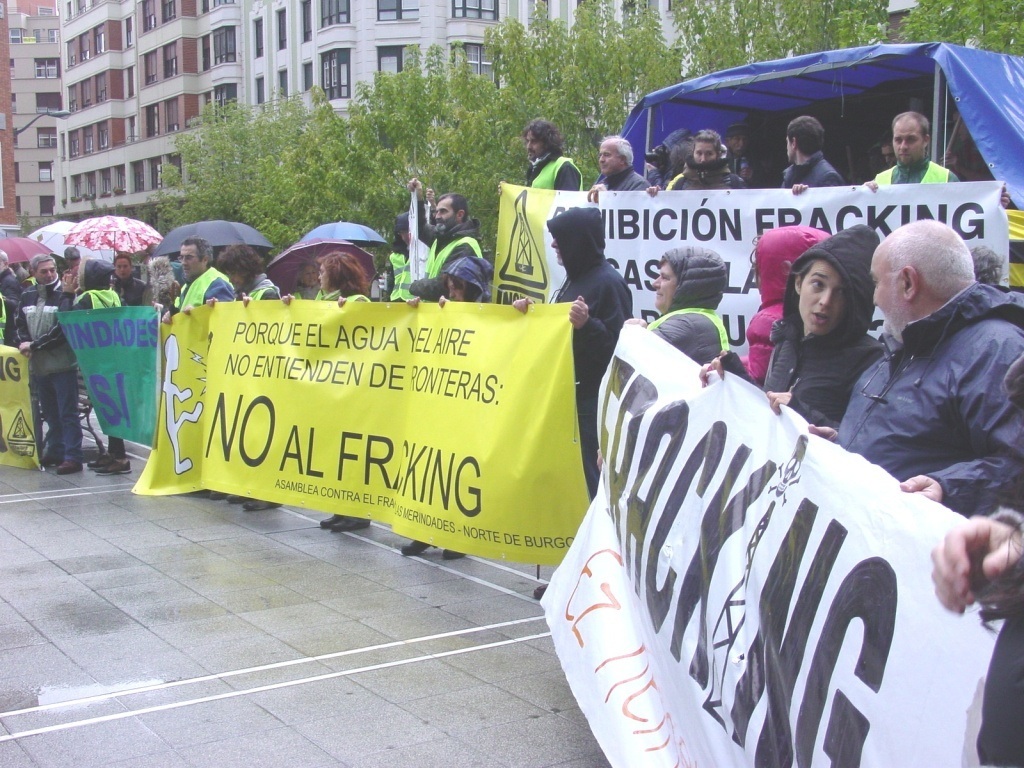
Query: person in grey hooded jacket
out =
(690, 285)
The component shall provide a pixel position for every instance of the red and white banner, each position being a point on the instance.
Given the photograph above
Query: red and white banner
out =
(744, 594)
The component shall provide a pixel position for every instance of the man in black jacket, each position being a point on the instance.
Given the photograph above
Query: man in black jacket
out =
(452, 235)
(128, 288)
(932, 412)
(615, 159)
(804, 141)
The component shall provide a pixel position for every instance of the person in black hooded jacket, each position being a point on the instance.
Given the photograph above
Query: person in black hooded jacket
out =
(601, 303)
(821, 344)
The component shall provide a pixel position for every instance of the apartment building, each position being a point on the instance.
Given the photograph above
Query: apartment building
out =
(136, 73)
(33, 33)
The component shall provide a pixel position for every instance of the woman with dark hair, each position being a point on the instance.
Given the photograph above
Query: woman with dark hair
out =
(244, 269)
(821, 345)
(981, 561)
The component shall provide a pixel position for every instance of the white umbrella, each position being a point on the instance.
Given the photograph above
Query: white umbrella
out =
(52, 236)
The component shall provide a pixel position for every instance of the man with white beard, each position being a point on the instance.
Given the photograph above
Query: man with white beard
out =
(932, 412)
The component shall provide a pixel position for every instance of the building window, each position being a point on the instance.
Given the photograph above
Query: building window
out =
(86, 89)
(170, 60)
(46, 204)
(149, 62)
(101, 87)
(389, 58)
(87, 140)
(103, 135)
(90, 185)
(16, 35)
(222, 94)
(335, 73)
(73, 98)
(119, 178)
(478, 60)
(156, 173)
(170, 10)
(129, 32)
(99, 40)
(47, 68)
(152, 121)
(83, 48)
(129, 76)
(46, 170)
(223, 45)
(105, 185)
(261, 94)
(148, 15)
(333, 12)
(17, 173)
(138, 177)
(72, 53)
(132, 133)
(307, 75)
(475, 9)
(391, 10)
(282, 83)
(206, 53)
(257, 37)
(282, 29)
(171, 115)
(76, 186)
(307, 20)
(46, 138)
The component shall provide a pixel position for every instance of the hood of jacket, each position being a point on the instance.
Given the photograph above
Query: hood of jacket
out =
(702, 277)
(849, 252)
(777, 250)
(95, 274)
(579, 233)
(475, 271)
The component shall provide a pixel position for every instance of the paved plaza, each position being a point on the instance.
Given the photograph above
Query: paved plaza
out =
(179, 631)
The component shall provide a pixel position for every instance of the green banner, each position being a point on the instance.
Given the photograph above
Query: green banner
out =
(117, 352)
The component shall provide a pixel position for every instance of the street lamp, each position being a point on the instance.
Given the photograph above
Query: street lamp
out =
(47, 113)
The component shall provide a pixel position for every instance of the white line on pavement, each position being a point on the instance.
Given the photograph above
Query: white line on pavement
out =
(265, 667)
(263, 688)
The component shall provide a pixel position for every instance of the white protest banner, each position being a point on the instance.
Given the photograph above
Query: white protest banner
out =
(417, 248)
(639, 229)
(744, 594)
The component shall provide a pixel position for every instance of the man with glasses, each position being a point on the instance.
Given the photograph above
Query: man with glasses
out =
(932, 412)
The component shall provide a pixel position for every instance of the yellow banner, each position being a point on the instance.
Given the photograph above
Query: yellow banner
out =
(17, 436)
(457, 426)
(521, 267)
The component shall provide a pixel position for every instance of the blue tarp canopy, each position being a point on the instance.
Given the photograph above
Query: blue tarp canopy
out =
(987, 89)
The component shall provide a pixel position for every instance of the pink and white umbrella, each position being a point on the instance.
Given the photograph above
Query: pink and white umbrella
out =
(118, 233)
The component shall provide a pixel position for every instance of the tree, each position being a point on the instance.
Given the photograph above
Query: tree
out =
(994, 25)
(718, 34)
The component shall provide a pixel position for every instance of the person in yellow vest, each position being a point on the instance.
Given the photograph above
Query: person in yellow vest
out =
(453, 235)
(203, 281)
(549, 168)
(399, 274)
(911, 137)
(690, 285)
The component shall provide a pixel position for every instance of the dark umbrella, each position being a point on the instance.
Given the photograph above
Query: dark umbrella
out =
(345, 230)
(20, 249)
(217, 233)
(285, 268)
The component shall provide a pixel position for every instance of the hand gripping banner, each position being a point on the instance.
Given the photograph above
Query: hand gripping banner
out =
(744, 594)
(456, 425)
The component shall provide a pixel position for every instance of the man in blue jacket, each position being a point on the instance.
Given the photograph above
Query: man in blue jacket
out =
(932, 412)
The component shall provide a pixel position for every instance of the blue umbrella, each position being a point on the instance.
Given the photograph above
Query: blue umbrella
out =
(345, 230)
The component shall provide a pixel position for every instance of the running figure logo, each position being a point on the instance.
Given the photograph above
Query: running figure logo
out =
(173, 395)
